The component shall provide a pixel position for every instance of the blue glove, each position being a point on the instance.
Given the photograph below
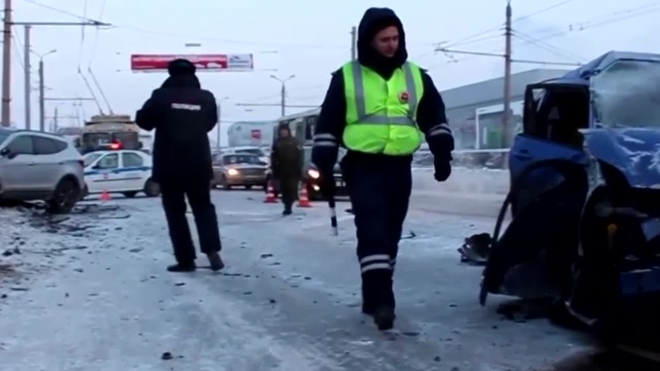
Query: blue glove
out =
(442, 168)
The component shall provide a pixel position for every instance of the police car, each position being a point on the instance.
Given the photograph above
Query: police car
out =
(119, 171)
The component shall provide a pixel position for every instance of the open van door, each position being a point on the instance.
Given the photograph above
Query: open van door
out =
(553, 114)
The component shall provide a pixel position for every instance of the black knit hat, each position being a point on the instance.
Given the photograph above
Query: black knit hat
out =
(181, 67)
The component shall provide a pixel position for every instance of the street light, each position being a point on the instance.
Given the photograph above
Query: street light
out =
(42, 88)
(283, 91)
(218, 137)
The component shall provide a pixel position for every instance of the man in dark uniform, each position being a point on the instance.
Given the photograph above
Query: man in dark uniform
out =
(183, 114)
(286, 164)
(376, 107)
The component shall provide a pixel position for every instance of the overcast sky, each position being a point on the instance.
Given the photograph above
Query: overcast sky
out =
(307, 38)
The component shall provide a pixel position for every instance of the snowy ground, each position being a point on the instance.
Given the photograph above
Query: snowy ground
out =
(90, 292)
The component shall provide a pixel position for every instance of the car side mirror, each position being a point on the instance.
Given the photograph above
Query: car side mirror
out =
(5, 152)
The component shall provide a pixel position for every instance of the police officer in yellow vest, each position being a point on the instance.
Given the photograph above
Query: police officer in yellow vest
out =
(378, 107)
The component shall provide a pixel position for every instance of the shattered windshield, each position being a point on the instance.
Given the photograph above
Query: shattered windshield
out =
(627, 94)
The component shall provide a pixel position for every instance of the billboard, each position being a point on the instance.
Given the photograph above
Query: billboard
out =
(203, 62)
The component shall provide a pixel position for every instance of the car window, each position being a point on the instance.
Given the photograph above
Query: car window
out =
(250, 151)
(131, 160)
(110, 161)
(3, 136)
(241, 159)
(91, 157)
(47, 146)
(22, 145)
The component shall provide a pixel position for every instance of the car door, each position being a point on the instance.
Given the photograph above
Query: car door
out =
(19, 173)
(537, 145)
(48, 164)
(133, 171)
(104, 175)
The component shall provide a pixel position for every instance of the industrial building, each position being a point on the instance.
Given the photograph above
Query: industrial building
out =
(475, 112)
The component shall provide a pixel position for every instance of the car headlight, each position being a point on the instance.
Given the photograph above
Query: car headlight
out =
(232, 172)
(314, 174)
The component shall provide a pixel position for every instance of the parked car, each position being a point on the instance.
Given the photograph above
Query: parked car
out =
(245, 170)
(263, 155)
(40, 166)
(122, 171)
(311, 177)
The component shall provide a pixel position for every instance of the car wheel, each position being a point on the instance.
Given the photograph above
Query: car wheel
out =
(224, 184)
(151, 188)
(248, 187)
(130, 194)
(66, 195)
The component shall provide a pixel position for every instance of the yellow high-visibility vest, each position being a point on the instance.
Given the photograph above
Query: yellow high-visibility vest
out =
(381, 115)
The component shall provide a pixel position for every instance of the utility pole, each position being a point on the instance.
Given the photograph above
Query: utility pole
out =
(282, 92)
(507, 132)
(353, 43)
(42, 89)
(27, 68)
(6, 65)
(42, 101)
(55, 123)
(6, 53)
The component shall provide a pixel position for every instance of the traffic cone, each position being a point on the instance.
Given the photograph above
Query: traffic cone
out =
(303, 200)
(271, 198)
(105, 196)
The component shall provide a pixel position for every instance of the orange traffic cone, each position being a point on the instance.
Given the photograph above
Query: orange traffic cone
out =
(271, 198)
(303, 200)
(105, 196)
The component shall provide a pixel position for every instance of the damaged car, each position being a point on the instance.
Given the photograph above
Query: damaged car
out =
(585, 196)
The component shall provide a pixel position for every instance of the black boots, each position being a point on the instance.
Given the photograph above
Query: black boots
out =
(384, 317)
(216, 261)
(287, 210)
(182, 267)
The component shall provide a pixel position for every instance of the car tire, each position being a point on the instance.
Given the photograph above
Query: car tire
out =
(151, 188)
(224, 184)
(66, 195)
(130, 194)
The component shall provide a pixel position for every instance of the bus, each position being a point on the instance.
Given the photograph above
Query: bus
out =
(110, 131)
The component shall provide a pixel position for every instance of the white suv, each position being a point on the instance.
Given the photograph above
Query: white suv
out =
(40, 166)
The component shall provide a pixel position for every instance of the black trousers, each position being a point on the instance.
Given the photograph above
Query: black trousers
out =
(174, 194)
(289, 189)
(379, 187)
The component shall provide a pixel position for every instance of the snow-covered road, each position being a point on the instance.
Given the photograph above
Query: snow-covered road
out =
(90, 292)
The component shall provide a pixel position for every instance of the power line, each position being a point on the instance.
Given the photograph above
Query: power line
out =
(96, 33)
(618, 16)
(557, 5)
(615, 17)
(547, 47)
(501, 25)
(19, 46)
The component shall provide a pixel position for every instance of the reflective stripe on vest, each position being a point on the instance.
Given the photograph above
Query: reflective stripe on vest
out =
(381, 114)
(376, 118)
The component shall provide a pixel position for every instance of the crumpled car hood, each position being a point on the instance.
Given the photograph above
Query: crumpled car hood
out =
(635, 152)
